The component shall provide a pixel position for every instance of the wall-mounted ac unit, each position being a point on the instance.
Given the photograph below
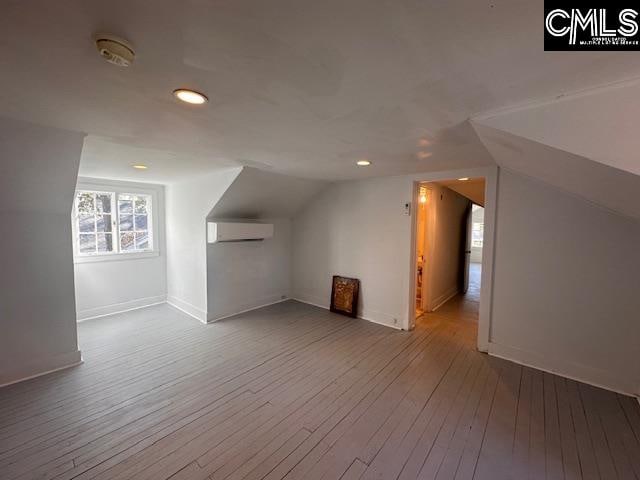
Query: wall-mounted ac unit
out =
(238, 232)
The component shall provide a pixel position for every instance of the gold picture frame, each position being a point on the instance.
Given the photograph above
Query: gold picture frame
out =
(344, 296)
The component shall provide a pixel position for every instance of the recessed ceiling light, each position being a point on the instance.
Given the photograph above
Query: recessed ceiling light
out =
(140, 167)
(190, 96)
(363, 163)
(463, 179)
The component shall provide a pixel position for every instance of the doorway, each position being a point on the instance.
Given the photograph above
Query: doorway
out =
(448, 246)
(476, 239)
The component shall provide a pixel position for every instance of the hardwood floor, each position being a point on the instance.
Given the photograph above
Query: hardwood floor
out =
(292, 391)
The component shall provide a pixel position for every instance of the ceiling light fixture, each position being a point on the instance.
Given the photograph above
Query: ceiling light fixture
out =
(190, 96)
(463, 179)
(140, 167)
(363, 163)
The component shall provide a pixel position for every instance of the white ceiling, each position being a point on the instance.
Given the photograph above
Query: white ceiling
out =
(473, 188)
(612, 188)
(300, 87)
(599, 124)
(258, 194)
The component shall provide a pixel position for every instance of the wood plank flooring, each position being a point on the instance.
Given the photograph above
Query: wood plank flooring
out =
(292, 391)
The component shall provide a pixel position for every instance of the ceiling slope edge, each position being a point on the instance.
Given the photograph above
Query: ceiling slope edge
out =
(608, 187)
(257, 194)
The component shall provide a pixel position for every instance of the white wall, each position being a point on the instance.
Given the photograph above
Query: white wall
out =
(566, 288)
(246, 275)
(214, 281)
(188, 204)
(356, 229)
(565, 296)
(107, 285)
(444, 245)
(360, 229)
(38, 170)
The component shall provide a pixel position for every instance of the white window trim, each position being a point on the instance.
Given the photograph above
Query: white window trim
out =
(118, 188)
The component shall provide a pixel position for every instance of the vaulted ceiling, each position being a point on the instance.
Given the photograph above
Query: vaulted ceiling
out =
(257, 194)
(612, 188)
(473, 188)
(306, 87)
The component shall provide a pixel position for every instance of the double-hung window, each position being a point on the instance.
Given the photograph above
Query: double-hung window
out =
(108, 223)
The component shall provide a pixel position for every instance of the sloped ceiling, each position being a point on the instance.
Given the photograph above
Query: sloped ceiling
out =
(304, 88)
(610, 187)
(256, 194)
(598, 124)
(473, 188)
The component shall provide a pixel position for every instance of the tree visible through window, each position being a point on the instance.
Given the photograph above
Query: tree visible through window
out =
(100, 216)
(94, 222)
(133, 212)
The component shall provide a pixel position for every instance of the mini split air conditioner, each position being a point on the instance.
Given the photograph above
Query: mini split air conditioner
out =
(238, 232)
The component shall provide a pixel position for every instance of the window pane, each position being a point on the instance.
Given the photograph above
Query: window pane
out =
(87, 243)
(126, 242)
(95, 218)
(103, 223)
(85, 203)
(105, 242)
(142, 241)
(126, 223)
(477, 233)
(141, 205)
(125, 204)
(141, 222)
(86, 223)
(103, 201)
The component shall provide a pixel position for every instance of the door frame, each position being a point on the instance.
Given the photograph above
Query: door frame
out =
(490, 175)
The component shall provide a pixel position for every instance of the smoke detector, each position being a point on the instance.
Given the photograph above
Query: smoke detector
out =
(115, 50)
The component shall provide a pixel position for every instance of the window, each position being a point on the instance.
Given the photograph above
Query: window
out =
(133, 223)
(107, 223)
(477, 233)
(477, 226)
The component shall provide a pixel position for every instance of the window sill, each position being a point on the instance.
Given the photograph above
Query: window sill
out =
(116, 257)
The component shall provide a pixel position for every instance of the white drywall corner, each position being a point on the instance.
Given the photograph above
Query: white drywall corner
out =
(566, 285)
(187, 205)
(38, 171)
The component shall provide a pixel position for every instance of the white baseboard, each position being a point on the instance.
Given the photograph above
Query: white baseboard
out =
(187, 308)
(311, 300)
(444, 298)
(40, 367)
(373, 317)
(581, 373)
(367, 316)
(231, 312)
(116, 308)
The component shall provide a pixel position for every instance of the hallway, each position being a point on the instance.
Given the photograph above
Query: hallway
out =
(473, 292)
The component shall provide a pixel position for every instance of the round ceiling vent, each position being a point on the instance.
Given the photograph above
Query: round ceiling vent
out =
(115, 50)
